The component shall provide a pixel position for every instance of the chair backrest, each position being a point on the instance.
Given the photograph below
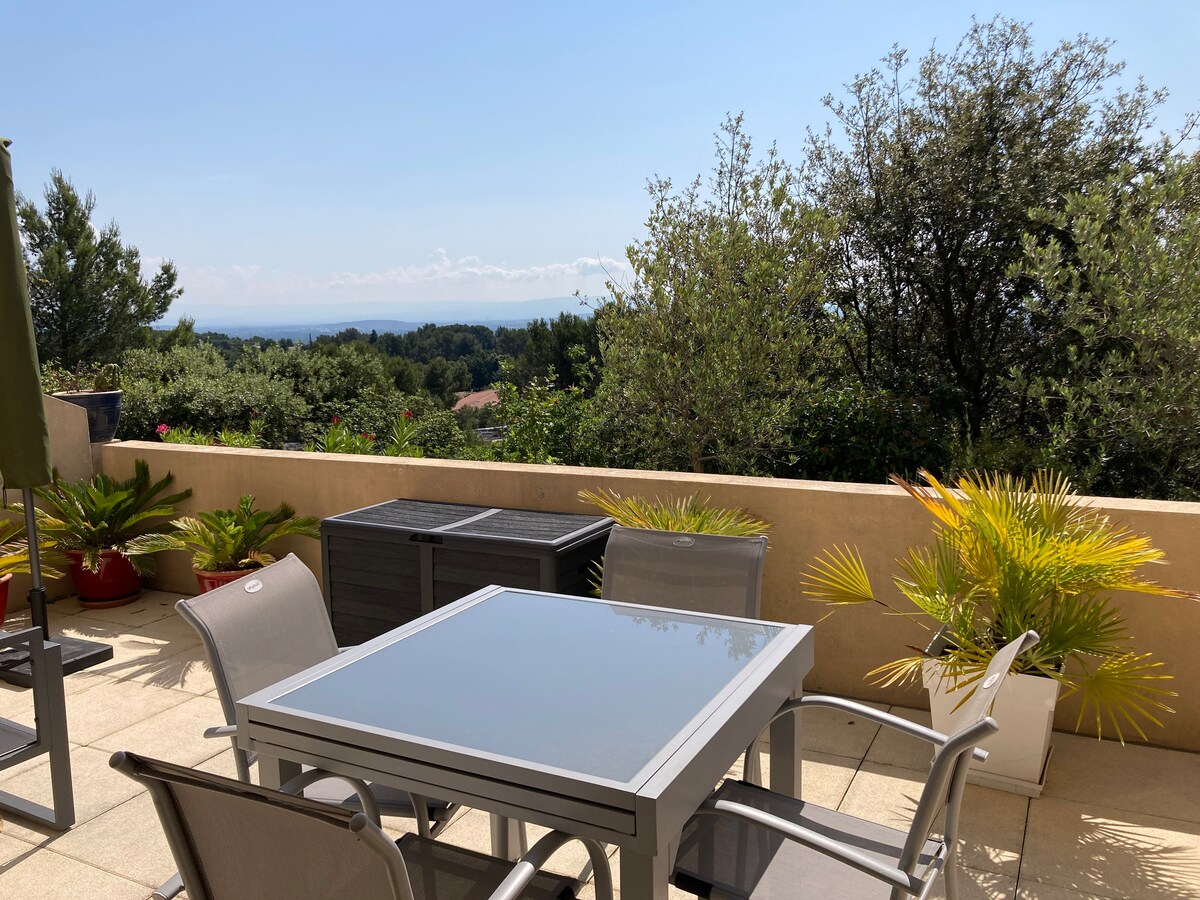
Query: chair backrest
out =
(948, 773)
(709, 573)
(233, 840)
(261, 629)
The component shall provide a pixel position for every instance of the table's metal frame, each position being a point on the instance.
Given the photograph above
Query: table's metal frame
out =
(643, 816)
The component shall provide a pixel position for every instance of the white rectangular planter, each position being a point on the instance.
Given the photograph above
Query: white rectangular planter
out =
(1024, 710)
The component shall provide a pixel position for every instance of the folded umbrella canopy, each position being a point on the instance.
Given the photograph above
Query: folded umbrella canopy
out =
(24, 439)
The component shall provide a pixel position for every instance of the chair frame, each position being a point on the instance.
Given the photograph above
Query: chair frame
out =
(155, 775)
(943, 788)
(49, 735)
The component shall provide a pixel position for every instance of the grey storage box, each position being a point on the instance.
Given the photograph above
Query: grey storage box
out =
(387, 564)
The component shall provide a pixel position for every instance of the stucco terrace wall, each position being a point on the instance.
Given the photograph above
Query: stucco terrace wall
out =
(807, 516)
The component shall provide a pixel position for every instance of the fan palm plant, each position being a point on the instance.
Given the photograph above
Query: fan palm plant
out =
(1010, 556)
(231, 540)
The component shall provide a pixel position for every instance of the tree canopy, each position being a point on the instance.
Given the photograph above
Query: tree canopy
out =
(933, 177)
(90, 302)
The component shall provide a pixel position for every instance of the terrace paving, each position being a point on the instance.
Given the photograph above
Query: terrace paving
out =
(1113, 822)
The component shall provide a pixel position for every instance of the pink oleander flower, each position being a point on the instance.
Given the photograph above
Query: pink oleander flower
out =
(162, 429)
(336, 420)
(408, 414)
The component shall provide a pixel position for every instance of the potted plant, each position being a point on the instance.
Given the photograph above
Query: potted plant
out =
(688, 514)
(227, 543)
(14, 559)
(1010, 556)
(94, 521)
(96, 388)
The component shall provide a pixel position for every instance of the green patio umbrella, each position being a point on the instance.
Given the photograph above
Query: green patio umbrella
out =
(24, 440)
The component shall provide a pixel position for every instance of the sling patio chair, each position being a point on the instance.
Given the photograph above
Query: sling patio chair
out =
(19, 743)
(261, 629)
(749, 842)
(705, 573)
(233, 840)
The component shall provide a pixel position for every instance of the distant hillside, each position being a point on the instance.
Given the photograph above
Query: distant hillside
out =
(512, 314)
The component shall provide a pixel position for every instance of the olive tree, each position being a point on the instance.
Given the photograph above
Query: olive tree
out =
(932, 176)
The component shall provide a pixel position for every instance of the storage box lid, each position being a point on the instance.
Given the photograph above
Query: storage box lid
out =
(525, 526)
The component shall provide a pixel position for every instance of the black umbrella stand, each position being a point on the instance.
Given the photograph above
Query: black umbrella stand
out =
(77, 653)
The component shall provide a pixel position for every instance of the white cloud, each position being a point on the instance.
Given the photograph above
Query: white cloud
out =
(472, 268)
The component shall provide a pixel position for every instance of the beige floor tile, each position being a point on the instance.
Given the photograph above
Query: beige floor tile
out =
(1111, 853)
(175, 734)
(12, 850)
(127, 839)
(1034, 891)
(976, 884)
(175, 667)
(1140, 779)
(172, 627)
(128, 644)
(95, 713)
(98, 788)
(47, 875)
(149, 607)
(993, 823)
(222, 763)
(894, 748)
(836, 732)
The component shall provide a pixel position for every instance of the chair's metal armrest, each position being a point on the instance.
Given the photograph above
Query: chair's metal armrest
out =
(531, 863)
(365, 797)
(875, 715)
(809, 838)
(221, 731)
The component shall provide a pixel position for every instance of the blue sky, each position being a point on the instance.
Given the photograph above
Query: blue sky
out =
(305, 162)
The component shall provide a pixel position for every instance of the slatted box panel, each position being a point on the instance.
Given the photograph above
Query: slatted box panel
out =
(390, 563)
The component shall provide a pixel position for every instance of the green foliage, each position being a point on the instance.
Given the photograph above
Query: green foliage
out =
(854, 434)
(229, 540)
(437, 435)
(1122, 405)
(194, 387)
(84, 377)
(185, 434)
(14, 551)
(704, 351)
(90, 302)
(547, 425)
(689, 514)
(1010, 556)
(402, 438)
(932, 180)
(105, 513)
(340, 439)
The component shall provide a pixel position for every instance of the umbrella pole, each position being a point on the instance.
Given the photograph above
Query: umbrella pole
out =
(37, 590)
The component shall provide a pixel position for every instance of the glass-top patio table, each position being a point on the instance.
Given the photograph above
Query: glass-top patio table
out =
(607, 720)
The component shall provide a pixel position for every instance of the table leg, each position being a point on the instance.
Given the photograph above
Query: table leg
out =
(509, 839)
(274, 773)
(786, 747)
(644, 877)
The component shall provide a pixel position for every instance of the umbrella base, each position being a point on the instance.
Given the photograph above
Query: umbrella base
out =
(77, 654)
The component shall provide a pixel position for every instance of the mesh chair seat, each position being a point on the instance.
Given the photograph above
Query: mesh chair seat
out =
(724, 857)
(14, 737)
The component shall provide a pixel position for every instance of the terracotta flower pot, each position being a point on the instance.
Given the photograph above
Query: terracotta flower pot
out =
(115, 583)
(4, 583)
(210, 581)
